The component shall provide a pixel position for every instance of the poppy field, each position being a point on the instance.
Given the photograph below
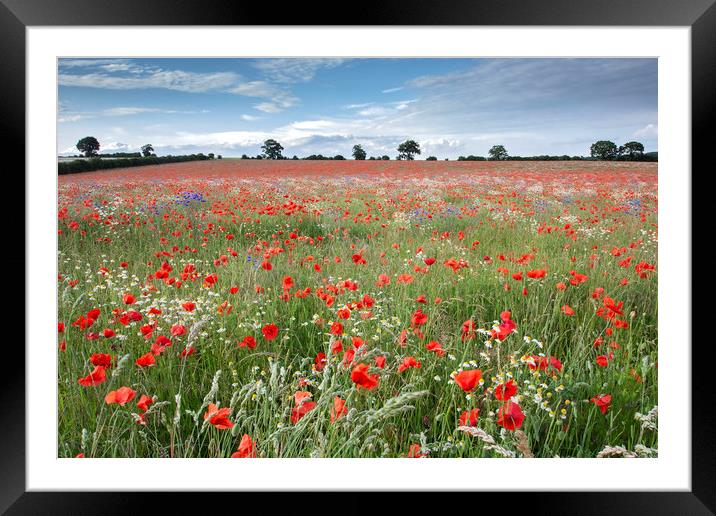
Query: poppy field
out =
(239, 309)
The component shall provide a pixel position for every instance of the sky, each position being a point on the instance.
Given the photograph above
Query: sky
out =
(451, 107)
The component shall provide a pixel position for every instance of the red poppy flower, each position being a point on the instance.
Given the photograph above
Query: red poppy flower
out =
(468, 380)
(510, 416)
(189, 306)
(219, 417)
(336, 328)
(320, 361)
(246, 449)
(361, 378)
(302, 406)
(248, 342)
(270, 331)
(537, 273)
(408, 363)
(567, 310)
(418, 319)
(414, 452)
(469, 418)
(436, 347)
(505, 391)
(101, 359)
(543, 363)
(121, 396)
(96, 377)
(603, 401)
(144, 402)
(339, 409)
(129, 299)
(468, 330)
(146, 360)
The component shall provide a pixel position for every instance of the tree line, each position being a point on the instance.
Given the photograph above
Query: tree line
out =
(600, 150)
(272, 149)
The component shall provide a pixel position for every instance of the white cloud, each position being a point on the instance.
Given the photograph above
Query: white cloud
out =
(293, 70)
(111, 74)
(250, 118)
(72, 118)
(176, 80)
(392, 90)
(648, 131)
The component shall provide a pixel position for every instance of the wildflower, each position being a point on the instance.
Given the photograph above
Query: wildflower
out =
(302, 406)
(339, 409)
(414, 452)
(146, 360)
(96, 377)
(603, 401)
(270, 331)
(469, 418)
(468, 380)
(436, 347)
(409, 362)
(505, 391)
(144, 402)
(122, 396)
(361, 378)
(246, 449)
(510, 416)
(219, 417)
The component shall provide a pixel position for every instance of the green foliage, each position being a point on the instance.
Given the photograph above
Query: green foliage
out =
(96, 163)
(408, 149)
(631, 150)
(603, 149)
(88, 145)
(358, 152)
(147, 150)
(498, 152)
(272, 149)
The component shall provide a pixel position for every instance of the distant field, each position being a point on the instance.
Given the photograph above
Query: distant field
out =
(358, 309)
(232, 167)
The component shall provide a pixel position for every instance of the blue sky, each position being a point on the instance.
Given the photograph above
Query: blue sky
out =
(451, 107)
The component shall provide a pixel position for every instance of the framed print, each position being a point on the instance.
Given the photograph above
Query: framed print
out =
(459, 234)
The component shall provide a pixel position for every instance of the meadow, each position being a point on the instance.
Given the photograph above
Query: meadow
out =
(358, 309)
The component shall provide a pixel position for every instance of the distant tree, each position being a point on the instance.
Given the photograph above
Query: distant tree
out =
(244, 156)
(431, 158)
(498, 152)
(408, 149)
(358, 152)
(147, 150)
(218, 157)
(88, 145)
(631, 149)
(272, 149)
(294, 157)
(211, 155)
(372, 158)
(338, 157)
(385, 157)
(603, 149)
(259, 156)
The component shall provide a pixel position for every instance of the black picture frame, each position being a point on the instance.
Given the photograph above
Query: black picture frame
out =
(700, 15)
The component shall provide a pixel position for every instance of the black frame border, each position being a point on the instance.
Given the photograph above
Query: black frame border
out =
(699, 15)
